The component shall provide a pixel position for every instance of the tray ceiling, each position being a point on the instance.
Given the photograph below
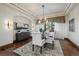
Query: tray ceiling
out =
(50, 8)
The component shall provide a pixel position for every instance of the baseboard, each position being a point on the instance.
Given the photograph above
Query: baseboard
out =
(10, 45)
(76, 46)
(58, 39)
(6, 46)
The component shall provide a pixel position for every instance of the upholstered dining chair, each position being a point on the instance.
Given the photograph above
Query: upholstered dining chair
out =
(50, 38)
(37, 40)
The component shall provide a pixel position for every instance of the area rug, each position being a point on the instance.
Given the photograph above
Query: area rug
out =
(26, 50)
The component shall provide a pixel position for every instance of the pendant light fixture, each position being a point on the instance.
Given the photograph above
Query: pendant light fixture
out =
(43, 18)
(43, 12)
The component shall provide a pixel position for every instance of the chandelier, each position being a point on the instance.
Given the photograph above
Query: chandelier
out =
(43, 18)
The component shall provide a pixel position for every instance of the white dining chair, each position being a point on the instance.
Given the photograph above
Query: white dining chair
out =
(50, 38)
(37, 40)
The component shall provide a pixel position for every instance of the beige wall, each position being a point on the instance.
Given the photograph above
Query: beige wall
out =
(8, 13)
(74, 13)
(60, 31)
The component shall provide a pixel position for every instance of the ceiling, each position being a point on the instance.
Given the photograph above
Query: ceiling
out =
(50, 9)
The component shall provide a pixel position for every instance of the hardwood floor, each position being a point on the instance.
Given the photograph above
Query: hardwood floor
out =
(9, 50)
(67, 47)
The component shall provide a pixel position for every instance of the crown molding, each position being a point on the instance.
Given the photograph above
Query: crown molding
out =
(21, 10)
(29, 13)
(69, 8)
(66, 9)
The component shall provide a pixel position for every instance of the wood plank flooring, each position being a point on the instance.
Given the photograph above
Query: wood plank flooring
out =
(9, 50)
(67, 47)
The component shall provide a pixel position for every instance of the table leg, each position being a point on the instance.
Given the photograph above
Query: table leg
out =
(32, 47)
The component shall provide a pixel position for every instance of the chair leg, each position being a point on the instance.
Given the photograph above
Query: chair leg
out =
(40, 50)
(52, 44)
(44, 45)
(32, 47)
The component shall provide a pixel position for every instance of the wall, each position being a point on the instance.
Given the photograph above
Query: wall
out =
(21, 20)
(6, 36)
(73, 13)
(60, 31)
(7, 13)
(38, 27)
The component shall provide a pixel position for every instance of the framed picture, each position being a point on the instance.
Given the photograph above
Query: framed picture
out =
(72, 25)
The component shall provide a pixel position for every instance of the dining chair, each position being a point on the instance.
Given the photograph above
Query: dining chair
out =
(37, 40)
(50, 38)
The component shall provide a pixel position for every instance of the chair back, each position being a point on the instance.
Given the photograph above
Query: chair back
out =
(50, 37)
(51, 34)
(36, 38)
